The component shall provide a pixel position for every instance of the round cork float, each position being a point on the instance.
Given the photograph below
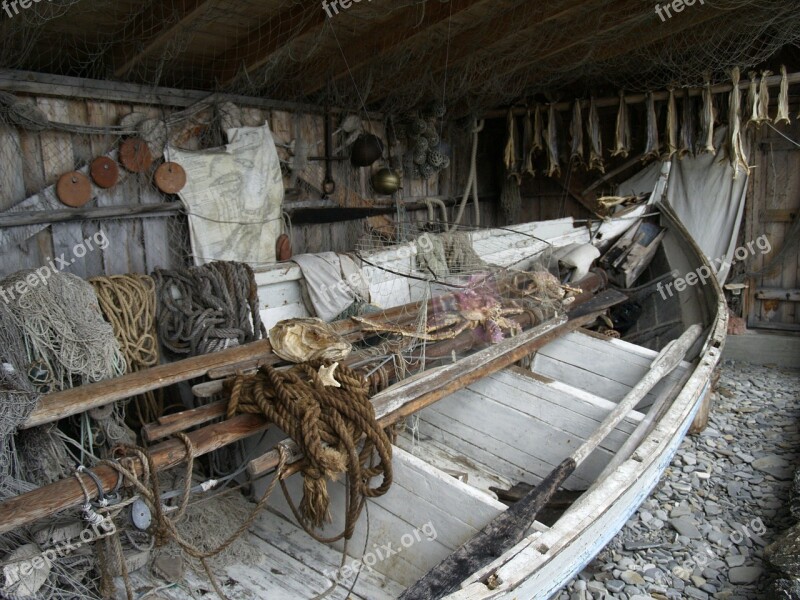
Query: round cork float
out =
(74, 189)
(170, 178)
(135, 155)
(105, 172)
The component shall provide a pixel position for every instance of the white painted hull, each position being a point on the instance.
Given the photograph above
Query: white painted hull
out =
(525, 424)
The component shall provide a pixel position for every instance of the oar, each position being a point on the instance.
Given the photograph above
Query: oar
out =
(508, 528)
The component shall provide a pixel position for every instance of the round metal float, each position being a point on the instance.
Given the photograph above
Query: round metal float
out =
(170, 178)
(135, 155)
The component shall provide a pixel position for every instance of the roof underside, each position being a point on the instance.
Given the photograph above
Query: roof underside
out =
(396, 54)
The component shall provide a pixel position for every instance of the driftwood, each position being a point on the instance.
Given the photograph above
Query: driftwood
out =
(508, 528)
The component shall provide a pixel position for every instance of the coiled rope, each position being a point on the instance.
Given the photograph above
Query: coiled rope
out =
(129, 304)
(327, 423)
(208, 308)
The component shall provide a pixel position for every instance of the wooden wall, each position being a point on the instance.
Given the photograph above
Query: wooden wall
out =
(31, 161)
(773, 205)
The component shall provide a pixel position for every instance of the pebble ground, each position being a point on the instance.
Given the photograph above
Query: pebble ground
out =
(702, 532)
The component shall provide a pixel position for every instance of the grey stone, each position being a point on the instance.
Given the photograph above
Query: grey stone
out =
(744, 575)
(774, 465)
(685, 527)
(734, 560)
(615, 586)
(632, 578)
(693, 592)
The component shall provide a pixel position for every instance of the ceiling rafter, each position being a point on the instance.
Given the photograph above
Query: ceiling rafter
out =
(572, 37)
(160, 25)
(463, 46)
(376, 44)
(261, 44)
(701, 16)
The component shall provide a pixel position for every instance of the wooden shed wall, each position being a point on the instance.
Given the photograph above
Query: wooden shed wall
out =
(35, 160)
(773, 206)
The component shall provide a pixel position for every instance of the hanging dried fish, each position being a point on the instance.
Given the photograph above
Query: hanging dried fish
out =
(653, 144)
(538, 143)
(753, 99)
(576, 133)
(735, 147)
(763, 99)
(688, 127)
(595, 139)
(553, 168)
(783, 99)
(622, 145)
(706, 141)
(510, 154)
(672, 124)
(527, 144)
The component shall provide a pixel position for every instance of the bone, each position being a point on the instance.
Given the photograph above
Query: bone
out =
(783, 99)
(688, 127)
(706, 141)
(735, 148)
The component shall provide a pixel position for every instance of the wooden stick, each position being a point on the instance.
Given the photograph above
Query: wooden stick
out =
(59, 405)
(66, 493)
(171, 424)
(415, 393)
(508, 528)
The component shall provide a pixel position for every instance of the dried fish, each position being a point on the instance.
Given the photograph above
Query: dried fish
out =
(783, 99)
(538, 143)
(576, 133)
(763, 99)
(688, 127)
(706, 141)
(553, 168)
(653, 144)
(735, 147)
(622, 146)
(672, 124)
(595, 139)
(753, 98)
(510, 154)
(527, 144)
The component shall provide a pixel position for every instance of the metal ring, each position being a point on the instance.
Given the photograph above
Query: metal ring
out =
(101, 497)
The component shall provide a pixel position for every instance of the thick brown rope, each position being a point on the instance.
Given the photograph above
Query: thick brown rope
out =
(328, 424)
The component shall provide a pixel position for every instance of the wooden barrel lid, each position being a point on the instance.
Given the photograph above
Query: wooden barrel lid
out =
(135, 155)
(170, 178)
(74, 189)
(105, 172)
(283, 247)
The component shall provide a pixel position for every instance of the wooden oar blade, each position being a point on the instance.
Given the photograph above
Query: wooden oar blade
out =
(498, 536)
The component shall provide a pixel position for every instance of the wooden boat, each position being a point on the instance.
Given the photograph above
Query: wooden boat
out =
(513, 426)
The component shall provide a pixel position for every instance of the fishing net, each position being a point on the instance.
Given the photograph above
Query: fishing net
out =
(479, 52)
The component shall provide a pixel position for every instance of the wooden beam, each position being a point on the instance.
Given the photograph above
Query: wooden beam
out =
(402, 31)
(778, 294)
(48, 500)
(269, 37)
(61, 86)
(466, 44)
(41, 217)
(160, 23)
(700, 16)
(59, 405)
